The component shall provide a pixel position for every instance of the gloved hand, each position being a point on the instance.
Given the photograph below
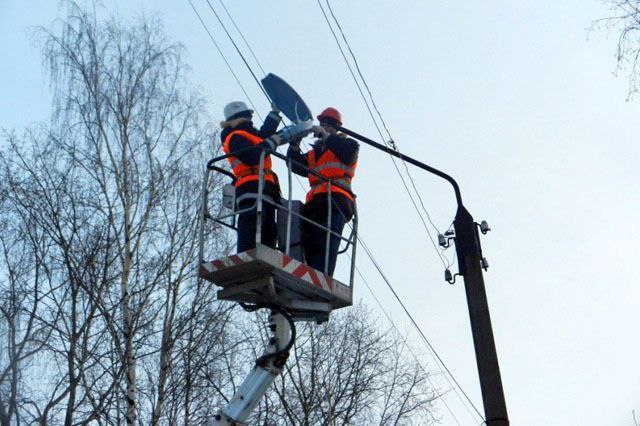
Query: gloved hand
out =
(295, 143)
(320, 132)
(275, 115)
(273, 141)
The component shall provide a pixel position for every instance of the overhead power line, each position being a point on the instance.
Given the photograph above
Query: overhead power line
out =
(255, 58)
(416, 326)
(404, 341)
(390, 142)
(224, 57)
(355, 61)
(246, 42)
(439, 362)
(238, 50)
(393, 146)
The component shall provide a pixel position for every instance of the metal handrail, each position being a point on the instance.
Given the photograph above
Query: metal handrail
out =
(210, 163)
(351, 240)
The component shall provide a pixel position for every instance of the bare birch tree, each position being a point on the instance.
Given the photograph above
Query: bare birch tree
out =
(113, 187)
(102, 320)
(625, 22)
(348, 371)
(64, 246)
(23, 276)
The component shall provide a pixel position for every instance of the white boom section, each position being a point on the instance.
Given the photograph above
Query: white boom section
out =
(261, 377)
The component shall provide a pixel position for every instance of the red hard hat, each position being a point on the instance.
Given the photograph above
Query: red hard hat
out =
(332, 114)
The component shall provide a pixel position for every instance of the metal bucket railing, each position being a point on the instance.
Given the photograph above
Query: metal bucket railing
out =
(351, 240)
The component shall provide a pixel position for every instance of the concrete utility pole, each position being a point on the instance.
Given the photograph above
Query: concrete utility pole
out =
(470, 268)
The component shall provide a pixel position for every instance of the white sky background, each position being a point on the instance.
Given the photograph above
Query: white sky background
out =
(516, 101)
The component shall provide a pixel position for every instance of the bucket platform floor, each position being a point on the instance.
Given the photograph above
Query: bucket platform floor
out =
(267, 276)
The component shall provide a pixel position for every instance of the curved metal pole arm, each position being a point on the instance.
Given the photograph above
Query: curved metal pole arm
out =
(408, 159)
(469, 255)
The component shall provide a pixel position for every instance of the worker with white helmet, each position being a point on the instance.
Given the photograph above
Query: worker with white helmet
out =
(241, 139)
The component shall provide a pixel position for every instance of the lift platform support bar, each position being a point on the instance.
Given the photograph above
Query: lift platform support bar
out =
(265, 371)
(469, 266)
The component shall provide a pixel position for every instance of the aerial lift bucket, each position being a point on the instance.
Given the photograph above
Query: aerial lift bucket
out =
(267, 277)
(263, 277)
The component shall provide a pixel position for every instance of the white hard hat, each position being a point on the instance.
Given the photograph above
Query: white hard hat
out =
(234, 108)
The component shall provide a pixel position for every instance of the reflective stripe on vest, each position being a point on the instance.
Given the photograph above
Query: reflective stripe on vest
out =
(330, 167)
(350, 170)
(243, 172)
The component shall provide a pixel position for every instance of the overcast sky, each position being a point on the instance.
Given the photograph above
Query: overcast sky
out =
(517, 101)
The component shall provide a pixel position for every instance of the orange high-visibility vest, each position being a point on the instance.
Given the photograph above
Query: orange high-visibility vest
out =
(329, 166)
(243, 172)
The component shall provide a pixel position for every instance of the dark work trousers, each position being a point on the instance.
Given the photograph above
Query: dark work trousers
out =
(315, 238)
(247, 225)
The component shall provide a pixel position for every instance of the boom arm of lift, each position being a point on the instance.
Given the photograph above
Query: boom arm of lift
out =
(265, 371)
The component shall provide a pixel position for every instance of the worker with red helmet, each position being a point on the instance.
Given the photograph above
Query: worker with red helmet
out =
(333, 158)
(241, 139)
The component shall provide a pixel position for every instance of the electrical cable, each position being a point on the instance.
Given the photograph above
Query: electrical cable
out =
(404, 341)
(416, 326)
(379, 131)
(262, 361)
(361, 93)
(326, 18)
(439, 361)
(224, 58)
(238, 50)
(375, 106)
(372, 292)
(242, 36)
(445, 262)
(391, 141)
(246, 42)
(355, 61)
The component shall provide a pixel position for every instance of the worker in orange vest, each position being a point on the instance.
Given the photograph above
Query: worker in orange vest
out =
(333, 157)
(240, 138)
